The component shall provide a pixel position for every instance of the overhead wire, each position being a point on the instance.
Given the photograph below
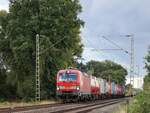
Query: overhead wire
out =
(126, 51)
(96, 49)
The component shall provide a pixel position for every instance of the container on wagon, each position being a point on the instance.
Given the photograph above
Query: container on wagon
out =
(102, 86)
(85, 83)
(118, 89)
(113, 88)
(108, 88)
(122, 90)
(95, 88)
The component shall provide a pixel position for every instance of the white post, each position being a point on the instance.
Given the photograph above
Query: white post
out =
(37, 96)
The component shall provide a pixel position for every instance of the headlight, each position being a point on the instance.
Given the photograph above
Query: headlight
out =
(57, 88)
(78, 87)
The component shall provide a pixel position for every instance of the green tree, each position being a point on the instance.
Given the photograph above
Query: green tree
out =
(3, 76)
(147, 77)
(141, 102)
(108, 70)
(53, 20)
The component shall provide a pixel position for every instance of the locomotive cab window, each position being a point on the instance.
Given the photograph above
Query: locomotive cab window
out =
(68, 77)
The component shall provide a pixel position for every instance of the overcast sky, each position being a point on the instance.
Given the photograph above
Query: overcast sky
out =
(113, 19)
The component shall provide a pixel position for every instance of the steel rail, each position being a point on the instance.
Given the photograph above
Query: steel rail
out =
(58, 107)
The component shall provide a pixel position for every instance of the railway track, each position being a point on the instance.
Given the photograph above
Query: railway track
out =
(88, 107)
(26, 108)
(63, 108)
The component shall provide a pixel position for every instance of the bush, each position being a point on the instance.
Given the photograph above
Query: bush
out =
(140, 103)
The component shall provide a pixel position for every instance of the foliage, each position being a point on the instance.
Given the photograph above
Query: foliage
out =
(108, 70)
(147, 82)
(141, 102)
(147, 62)
(128, 90)
(55, 21)
(147, 77)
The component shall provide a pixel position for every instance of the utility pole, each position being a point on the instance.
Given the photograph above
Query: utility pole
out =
(38, 53)
(132, 62)
(138, 78)
(131, 57)
(37, 95)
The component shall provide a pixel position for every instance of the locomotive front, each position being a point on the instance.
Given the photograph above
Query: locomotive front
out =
(68, 84)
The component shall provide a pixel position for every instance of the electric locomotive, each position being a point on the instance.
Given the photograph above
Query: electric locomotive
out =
(72, 84)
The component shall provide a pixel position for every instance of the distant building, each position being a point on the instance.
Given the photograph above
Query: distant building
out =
(138, 82)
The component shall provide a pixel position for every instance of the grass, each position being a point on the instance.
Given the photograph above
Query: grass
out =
(121, 109)
(20, 104)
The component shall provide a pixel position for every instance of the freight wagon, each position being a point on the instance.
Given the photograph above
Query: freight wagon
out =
(95, 88)
(102, 86)
(120, 90)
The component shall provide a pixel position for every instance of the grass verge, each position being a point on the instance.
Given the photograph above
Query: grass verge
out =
(20, 104)
(121, 108)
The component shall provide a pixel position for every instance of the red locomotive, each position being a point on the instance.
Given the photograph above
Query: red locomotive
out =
(73, 84)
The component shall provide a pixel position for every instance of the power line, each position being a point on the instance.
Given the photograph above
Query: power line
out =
(94, 48)
(116, 45)
(108, 49)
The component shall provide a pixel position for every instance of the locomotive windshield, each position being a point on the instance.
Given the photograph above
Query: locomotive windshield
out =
(68, 77)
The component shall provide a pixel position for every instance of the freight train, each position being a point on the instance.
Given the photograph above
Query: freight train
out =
(74, 85)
